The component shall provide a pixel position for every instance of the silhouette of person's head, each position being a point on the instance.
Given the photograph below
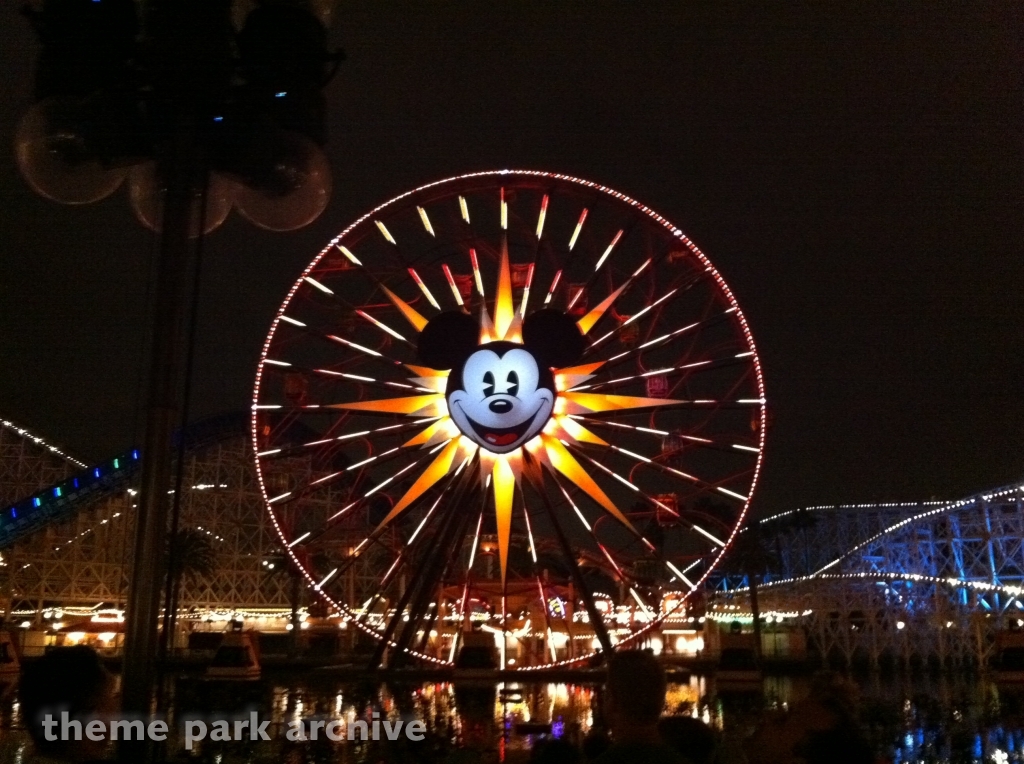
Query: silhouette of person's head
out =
(70, 679)
(635, 692)
(691, 737)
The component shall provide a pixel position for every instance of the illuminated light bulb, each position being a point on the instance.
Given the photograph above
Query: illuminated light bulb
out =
(146, 194)
(293, 192)
(54, 160)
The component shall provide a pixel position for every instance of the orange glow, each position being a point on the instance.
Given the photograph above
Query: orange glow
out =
(437, 470)
(425, 371)
(587, 322)
(414, 404)
(560, 458)
(410, 313)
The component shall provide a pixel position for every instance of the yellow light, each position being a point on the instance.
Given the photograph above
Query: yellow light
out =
(578, 432)
(348, 253)
(426, 221)
(504, 483)
(464, 207)
(504, 310)
(385, 231)
(442, 429)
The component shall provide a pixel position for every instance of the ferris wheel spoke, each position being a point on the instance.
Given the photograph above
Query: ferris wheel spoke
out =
(685, 369)
(406, 309)
(667, 338)
(700, 442)
(591, 531)
(357, 379)
(536, 480)
(450, 539)
(656, 502)
(644, 460)
(600, 262)
(654, 311)
(287, 451)
(290, 497)
(587, 322)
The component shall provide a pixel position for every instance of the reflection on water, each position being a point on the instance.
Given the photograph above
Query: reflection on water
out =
(908, 719)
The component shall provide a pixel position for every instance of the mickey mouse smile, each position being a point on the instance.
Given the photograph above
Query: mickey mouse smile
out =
(501, 437)
(500, 394)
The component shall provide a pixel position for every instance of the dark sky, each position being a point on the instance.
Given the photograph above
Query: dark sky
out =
(853, 169)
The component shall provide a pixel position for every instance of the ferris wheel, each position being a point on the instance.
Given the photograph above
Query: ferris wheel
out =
(517, 393)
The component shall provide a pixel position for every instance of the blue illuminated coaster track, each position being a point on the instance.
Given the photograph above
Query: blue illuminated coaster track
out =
(57, 502)
(62, 500)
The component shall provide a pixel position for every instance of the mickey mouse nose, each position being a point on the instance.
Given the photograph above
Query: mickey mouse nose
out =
(500, 406)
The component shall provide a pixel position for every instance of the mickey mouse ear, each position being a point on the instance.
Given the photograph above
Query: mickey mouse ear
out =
(553, 337)
(447, 339)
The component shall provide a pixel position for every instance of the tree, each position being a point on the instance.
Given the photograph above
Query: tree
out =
(753, 554)
(190, 557)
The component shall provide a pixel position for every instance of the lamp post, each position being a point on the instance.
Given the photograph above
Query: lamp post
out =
(199, 102)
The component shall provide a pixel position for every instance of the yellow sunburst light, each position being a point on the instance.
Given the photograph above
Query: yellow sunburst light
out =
(550, 447)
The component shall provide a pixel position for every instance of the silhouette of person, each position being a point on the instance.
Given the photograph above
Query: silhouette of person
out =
(72, 680)
(633, 702)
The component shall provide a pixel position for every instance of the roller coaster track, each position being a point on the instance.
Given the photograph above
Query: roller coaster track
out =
(61, 501)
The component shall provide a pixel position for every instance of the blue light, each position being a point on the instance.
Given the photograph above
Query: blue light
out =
(56, 491)
(14, 513)
(36, 502)
(282, 94)
(218, 119)
(75, 481)
(558, 728)
(135, 454)
(96, 472)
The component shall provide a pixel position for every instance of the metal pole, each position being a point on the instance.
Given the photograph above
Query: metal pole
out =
(161, 418)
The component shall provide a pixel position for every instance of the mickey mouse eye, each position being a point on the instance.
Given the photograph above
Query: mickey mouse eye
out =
(513, 383)
(489, 384)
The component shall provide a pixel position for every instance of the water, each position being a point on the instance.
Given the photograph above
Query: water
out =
(918, 718)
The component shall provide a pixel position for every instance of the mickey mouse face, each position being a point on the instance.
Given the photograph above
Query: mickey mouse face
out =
(501, 403)
(500, 395)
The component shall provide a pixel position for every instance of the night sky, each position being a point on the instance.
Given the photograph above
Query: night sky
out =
(854, 171)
